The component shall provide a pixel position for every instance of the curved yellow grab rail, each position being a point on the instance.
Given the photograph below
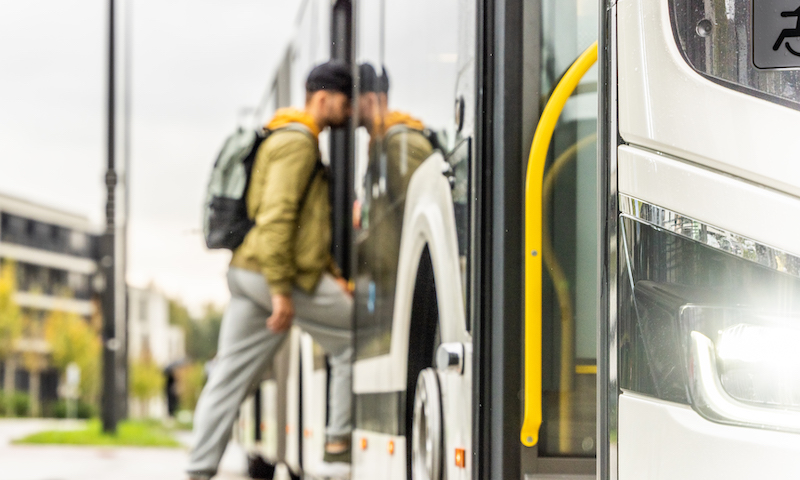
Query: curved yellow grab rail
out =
(533, 243)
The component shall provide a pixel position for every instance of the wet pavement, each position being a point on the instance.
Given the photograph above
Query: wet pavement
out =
(59, 462)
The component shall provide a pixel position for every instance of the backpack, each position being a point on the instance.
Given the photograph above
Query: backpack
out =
(225, 220)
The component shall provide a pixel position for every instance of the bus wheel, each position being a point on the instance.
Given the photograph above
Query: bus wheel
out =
(427, 442)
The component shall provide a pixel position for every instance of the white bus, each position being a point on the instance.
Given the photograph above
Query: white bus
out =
(623, 302)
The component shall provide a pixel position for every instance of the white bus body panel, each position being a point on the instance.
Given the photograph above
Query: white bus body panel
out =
(665, 441)
(456, 392)
(270, 430)
(293, 428)
(245, 426)
(375, 461)
(314, 388)
(666, 106)
(660, 440)
(671, 110)
(720, 200)
(428, 221)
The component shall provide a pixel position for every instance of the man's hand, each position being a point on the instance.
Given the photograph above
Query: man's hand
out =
(356, 215)
(345, 285)
(282, 313)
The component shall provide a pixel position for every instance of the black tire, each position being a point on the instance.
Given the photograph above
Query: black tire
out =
(258, 468)
(422, 340)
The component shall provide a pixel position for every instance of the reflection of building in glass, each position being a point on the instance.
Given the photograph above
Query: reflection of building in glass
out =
(55, 256)
(152, 338)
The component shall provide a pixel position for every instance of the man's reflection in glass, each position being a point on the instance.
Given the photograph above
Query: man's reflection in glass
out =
(398, 145)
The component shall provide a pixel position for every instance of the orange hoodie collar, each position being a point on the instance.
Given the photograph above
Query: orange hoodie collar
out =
(401, 118)
(285, 116)
(394, 118)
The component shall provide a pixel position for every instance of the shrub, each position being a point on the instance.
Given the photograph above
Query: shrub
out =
(20, 404)
(146, 380)
(83, 410)
(191, 379)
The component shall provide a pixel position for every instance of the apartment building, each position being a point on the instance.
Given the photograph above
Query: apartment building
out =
(55, 254)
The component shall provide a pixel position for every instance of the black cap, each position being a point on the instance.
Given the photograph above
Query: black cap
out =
(383, 81)
(332, 76)
(369, 81)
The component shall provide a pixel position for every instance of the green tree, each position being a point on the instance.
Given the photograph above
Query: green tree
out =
(11, 325)
(72, 339)
(179, 315)
(191, 379)
(146, 382)
(201, 333)
(34, 357)
(207, 337)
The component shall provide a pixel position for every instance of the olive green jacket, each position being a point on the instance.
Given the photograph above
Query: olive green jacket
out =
(290, 243)
(404, 150)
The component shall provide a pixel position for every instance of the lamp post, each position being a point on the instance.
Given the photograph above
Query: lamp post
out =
(107, 251)
(114, 239)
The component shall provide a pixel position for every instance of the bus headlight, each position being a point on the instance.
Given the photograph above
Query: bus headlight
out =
(743, 367)
(709, 319)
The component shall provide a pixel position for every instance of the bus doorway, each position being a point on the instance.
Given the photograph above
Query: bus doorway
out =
(567, 443)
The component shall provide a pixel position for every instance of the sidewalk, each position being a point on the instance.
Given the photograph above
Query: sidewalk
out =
(58, 462)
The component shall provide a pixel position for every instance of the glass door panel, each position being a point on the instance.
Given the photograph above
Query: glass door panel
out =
(570, 240)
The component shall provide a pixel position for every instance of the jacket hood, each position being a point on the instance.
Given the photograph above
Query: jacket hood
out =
(394, 118)
(401, 118)
(285, 116)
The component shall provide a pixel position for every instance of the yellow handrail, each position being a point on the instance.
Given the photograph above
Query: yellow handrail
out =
(533, 243)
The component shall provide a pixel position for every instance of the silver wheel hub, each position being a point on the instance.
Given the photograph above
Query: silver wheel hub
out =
(427, 440)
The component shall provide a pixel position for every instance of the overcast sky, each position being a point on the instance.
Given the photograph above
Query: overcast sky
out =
(196, 64)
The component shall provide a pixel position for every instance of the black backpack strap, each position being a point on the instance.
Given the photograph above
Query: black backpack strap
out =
(299, 127)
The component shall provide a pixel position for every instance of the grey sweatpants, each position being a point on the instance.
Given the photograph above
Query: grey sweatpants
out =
(246, 347)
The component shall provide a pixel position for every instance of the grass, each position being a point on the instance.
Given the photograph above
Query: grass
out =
(130, 433)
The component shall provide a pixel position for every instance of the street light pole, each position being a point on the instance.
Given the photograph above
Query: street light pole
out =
(122, 242)
(107, 260)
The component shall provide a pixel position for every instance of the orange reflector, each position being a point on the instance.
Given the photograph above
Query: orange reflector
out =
(363, 444)
(263, 426)
(461, 458)
(288, 429)
(390, 448)
(307, 433)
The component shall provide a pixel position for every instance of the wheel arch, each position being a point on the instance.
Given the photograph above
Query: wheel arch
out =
(428, 226)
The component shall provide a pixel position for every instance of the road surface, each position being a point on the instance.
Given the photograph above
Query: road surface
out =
(58, 462)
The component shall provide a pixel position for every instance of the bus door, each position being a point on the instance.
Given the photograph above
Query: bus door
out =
(703, 196)
(567, 438)
(413, 149)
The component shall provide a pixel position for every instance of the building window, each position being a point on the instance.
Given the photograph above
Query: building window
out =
(78, 243)
(61, 239)
(78, 284)
(14, 228)
(57, 283)
(143, 308)
(42, 235)
(46, 236)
